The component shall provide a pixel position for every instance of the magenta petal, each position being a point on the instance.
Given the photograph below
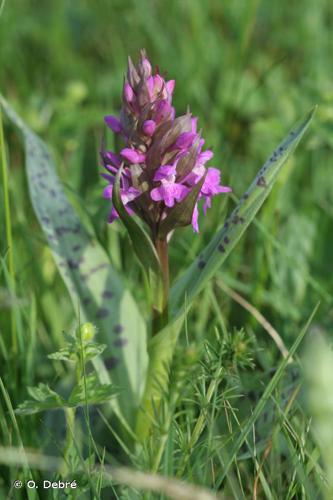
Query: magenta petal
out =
(149, 127)
(182, 191)
(163, 111)
(207, 204)
(164, 172)
(156, 194)
(107, 193)
(212, 185)
(195, 217)
(170, 86)
(113, 215)
(108, 177)
(111, 169)
(225, 189)
(128, 195)
(194, 124)
(184, 140)
(150, 86)
(169, 193)
(114, 159)
(205, 156)
(133, 156)
(201, 143)
(146, 66)
(113, 123)
(158, 84)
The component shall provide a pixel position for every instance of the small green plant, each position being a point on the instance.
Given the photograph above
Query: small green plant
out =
(88, 390)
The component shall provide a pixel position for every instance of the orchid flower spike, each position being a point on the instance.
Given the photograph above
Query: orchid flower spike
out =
(162, 158)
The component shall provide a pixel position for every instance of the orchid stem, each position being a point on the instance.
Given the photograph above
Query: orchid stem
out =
(160, 307)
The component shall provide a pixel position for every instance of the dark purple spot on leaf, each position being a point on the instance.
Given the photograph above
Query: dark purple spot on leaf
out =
(226, 240)
(107, 294)
(261, 182)
(226, 225)
(45, 219)
(86, 301)
(76, 248)
(73, 264)
(53, 193)
(201, 264)
(120, 342)
(237, 219)
(245, 196)
(111, 362)
(118, 329)
(221, 248)
(62, 230)
(97, 268)
(102, 312)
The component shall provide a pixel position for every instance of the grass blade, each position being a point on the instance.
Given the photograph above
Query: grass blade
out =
(263, 400)
(9, 238)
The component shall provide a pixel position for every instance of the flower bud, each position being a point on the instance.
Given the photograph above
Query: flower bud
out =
(86, 332)
(149, 127)
(113, 123)
(128, 93)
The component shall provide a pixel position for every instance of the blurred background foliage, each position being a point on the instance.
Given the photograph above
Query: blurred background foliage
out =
(249, 69)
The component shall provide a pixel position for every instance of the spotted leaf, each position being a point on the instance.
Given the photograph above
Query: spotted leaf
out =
(94, 286)
(213, 256)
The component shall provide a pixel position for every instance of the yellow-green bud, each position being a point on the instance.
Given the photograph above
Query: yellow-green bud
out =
(86, 332)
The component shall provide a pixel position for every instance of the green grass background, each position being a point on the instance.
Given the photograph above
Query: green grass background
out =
(248, 69)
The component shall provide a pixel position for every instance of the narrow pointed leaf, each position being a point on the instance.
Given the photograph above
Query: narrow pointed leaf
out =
(142, 244)
(213, 256)
(94, 286)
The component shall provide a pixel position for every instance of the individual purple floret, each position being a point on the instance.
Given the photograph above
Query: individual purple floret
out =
(162, 156)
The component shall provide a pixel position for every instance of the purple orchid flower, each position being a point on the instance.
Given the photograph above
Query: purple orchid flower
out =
(162, 154)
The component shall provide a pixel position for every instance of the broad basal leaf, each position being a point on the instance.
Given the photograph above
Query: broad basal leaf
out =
(94, 286)
(212, 257)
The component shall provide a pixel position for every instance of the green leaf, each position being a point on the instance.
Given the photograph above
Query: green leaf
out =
(44, 398)
(72, 351)
(142, 243)
(89, 391)
(94, 286)
(213, 256)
